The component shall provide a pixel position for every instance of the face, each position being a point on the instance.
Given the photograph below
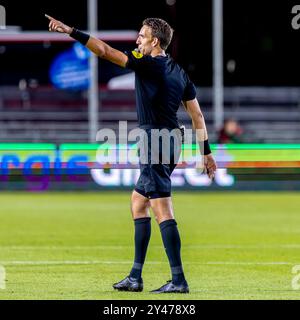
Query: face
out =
(231, 127)
(145, 41)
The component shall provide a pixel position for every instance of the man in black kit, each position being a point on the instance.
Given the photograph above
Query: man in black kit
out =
(161, 86)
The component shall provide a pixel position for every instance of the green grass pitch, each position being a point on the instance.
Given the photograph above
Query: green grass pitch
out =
(75, 245)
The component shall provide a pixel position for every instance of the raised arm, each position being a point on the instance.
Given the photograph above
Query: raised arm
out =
(193, 109)
(99, 47)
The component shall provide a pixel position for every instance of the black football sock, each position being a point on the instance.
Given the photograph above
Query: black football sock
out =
(141, 240)
(171, 240)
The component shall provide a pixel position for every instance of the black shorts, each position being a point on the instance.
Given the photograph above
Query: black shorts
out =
(159, 152)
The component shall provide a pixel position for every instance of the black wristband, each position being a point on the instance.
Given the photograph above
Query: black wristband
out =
(80, 36)
(204, 147)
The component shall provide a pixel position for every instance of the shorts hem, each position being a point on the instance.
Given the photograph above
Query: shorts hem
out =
(153, 194)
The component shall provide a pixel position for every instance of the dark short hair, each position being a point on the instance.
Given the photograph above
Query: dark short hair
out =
(161, 30)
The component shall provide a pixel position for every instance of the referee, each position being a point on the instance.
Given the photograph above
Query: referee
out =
(161, 86)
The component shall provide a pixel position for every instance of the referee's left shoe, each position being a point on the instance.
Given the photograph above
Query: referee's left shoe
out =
(129, 284)
(170, 287)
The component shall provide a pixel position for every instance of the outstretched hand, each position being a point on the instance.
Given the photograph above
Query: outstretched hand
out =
(58, 26)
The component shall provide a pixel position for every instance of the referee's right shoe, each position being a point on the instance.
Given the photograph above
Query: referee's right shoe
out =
(129, 284)
(170, 287)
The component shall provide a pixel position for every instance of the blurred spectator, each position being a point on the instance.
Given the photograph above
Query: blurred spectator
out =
(230, 133)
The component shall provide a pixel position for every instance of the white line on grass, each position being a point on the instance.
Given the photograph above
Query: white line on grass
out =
(121, 247)
(271, 263)
(93, 262)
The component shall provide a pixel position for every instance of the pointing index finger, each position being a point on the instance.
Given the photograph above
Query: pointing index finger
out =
(49, 17)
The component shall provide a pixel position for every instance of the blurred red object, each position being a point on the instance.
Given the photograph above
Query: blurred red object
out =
(230, 133)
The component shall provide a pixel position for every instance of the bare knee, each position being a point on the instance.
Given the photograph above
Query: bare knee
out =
(139, 206)
(162, 209)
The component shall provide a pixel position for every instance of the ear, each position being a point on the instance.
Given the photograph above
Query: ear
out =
(155, 42)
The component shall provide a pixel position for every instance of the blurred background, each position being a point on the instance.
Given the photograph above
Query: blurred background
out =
(243, 58)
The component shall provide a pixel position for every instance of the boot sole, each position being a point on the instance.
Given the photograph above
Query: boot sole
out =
(129, 289)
